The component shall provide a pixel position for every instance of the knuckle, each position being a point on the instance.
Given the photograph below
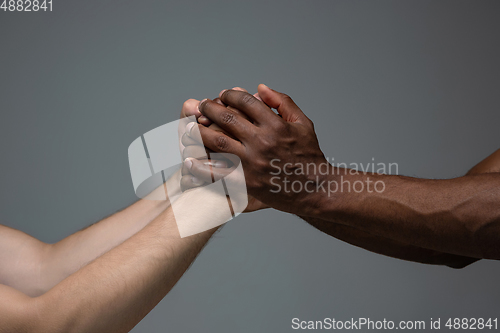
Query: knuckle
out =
(286, 98)
(248, 99)
(265, 143)
(311, 124)
(228, 118)
(255, 136)
(222, 143)
(186, 140)
(280, 126)
(280, 129)
(218, 101)
(186, 153)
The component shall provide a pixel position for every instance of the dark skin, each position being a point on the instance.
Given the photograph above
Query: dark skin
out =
(452, 222)
(377, 244)
(192, 149)
(400, 250)
(343, 232)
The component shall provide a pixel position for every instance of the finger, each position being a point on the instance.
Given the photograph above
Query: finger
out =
(283, 103)
(209, 163)
(207, 122)
(186, 140)
(217, 128)
(231, 122)
(219, 142)
(194, 138)
(204, 121)
(248, 104)
(195, 151)
(234, 109)
(190, 108)
(218, 101)
(204, 172)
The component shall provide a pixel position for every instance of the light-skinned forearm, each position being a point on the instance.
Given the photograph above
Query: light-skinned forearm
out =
(115, 291)
(41, 266)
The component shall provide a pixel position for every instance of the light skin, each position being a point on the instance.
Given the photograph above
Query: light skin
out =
(104, 278)
(452, 222)
(33, 267)
(112, 293)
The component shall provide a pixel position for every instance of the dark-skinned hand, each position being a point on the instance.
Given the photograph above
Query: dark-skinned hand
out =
(265, 143)
(192, 149)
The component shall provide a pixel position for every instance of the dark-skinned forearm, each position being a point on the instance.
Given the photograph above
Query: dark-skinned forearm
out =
(459, 216)
(386, 246)
(397, 249)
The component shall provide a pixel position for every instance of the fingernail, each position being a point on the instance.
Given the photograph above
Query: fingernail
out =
(189, 127)
(218, 101)
(199, 104)
(196, 181)
(222, 92)
(188, 163)
(202, 118)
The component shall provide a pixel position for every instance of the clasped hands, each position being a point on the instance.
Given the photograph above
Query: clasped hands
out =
(268, 144)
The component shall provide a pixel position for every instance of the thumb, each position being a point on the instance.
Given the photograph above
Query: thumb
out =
(286, 107)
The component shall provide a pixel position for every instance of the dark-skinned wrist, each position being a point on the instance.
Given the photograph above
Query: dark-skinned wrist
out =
(315, 199)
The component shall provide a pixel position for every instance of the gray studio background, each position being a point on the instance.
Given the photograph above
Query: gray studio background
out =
(412, 82)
